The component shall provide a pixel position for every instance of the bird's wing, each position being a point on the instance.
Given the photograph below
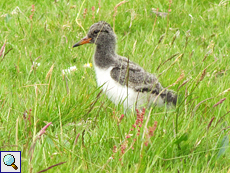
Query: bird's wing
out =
(130, 74)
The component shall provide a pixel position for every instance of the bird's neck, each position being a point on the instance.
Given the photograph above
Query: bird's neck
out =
(105, 55)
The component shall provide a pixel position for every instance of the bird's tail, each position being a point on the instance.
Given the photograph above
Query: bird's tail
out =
(171, 97)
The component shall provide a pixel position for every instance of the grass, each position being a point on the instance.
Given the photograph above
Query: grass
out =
(87, 133)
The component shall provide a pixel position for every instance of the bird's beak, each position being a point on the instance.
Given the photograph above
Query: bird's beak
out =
(85, 40)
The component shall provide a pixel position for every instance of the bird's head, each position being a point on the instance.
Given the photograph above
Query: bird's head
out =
(99, 33)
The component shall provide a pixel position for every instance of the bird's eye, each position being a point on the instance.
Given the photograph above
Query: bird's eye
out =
(95, 31)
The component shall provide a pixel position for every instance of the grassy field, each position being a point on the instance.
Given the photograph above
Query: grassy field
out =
(188, 50)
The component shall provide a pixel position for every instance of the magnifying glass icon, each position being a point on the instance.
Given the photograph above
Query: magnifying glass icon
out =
(9, 160)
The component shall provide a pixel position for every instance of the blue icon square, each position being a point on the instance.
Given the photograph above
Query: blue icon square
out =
(10, 161)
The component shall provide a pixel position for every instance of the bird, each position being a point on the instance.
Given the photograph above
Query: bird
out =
(122, 80)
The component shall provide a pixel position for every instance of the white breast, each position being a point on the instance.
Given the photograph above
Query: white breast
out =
(118, 93)
(115, 91)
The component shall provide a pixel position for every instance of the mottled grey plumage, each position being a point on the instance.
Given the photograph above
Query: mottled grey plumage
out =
(139, 79)
(124, 72)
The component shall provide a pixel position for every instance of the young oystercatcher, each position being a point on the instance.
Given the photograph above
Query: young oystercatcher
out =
(122, 80)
